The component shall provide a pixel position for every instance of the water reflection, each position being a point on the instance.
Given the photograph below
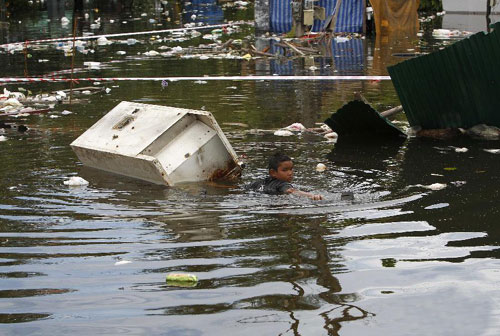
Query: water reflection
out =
(272, 265)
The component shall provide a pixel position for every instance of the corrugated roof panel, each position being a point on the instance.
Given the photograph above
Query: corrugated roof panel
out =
(458, 86)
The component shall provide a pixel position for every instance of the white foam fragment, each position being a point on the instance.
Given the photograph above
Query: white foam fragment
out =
(122, 262)
(492, 151)
(283, 132)
(320, 167)
(435, 186)
(76, 181)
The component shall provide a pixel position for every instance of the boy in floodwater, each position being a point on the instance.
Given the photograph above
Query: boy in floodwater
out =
(280, 176)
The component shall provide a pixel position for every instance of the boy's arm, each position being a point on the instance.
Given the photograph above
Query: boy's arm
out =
(303, 193)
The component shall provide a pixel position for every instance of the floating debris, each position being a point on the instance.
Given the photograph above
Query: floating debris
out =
(435, 186)
(283, 133)
(461, 150)
(76, 181)
(320, 167)
(357, 120)
(122, 262)
(181, 277)
(492, 151)
(3, 138)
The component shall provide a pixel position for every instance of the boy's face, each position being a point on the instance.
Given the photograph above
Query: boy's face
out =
(284, 172)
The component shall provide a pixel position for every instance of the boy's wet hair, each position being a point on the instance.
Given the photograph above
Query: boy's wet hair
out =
(276, 159)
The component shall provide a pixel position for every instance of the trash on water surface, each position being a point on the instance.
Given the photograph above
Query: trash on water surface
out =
(483, 131)
(435, 186)
(296, 127)
(122, 262)
(492, 151)
(283, 132)
(181, 279)
(159, 144)
(3, 138)
(320, 167)
(76, 181)
(461, 149)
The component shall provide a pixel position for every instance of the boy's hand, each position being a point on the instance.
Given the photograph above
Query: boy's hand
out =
(316, 197)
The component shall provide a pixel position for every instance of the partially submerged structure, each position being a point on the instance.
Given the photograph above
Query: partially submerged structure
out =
(457, 87)
(159, 144)
(357, 121)
(337, 16)
(341, 15)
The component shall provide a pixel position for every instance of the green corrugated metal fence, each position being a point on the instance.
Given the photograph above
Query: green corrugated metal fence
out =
(458, 86)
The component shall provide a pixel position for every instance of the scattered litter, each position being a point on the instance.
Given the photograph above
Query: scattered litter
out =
(437, 206)
(132, 41)
(92, 65)
(181, 277)
(200, 82)
(296, 127)
(121, 52)
(320, 167)
(435, 186)
(440, 175)
(64, 21)
(3, 138)
(450, 168)
(151, 53)
(66, 112)
(447, 33)
(13, 102)
(331, 136)
(107, 90)
(492, 151)
(247, 57)
(86, 92)
(484, 132)
(76, 181)
(53, 116)
(459, 183)
(461, 150)
(103, 41)
(282, 132)
(61, 95)
(341, 39)
(122, 262)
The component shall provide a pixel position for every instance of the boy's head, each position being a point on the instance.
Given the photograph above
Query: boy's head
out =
(281, 167)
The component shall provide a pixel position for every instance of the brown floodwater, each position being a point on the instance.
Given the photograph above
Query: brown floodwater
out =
(399, 259)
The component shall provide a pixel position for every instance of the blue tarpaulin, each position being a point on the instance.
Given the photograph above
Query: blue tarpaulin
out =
(349, 18)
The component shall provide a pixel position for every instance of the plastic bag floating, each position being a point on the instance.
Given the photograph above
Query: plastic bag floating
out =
(159, 144)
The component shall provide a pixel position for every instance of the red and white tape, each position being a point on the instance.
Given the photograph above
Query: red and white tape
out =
(202, 78)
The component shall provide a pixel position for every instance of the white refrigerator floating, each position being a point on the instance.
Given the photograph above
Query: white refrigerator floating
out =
(160, 144)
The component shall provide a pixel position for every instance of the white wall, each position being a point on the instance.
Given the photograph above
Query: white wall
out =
(478, 6)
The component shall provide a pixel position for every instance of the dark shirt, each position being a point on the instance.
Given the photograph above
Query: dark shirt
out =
(271, 186)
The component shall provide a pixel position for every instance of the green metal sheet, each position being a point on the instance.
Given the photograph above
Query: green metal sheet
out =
(357, 120)
(458, 86)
